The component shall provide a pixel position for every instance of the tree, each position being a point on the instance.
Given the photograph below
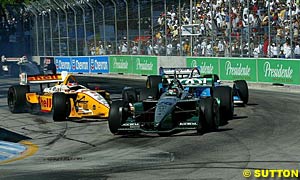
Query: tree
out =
(3, 3)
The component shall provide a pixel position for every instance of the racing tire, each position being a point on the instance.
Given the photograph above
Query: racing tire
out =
(215, 77)
(146, 93)
(129, 94)
(209, 117)
(16, 98)
(117, 116)
(225, 95)
(153, 81)
(61, 106)
(243, 91)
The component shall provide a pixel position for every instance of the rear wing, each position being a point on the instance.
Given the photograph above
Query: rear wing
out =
(187, 76)
(42, 79)
(179, 73)
(18, 60)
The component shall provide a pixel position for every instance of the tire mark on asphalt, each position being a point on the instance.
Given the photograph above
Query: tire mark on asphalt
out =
(59, 136)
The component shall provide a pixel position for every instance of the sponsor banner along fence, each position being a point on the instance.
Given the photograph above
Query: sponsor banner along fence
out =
(94, 64)
(250, 69)
(255, 70)
(140, 65)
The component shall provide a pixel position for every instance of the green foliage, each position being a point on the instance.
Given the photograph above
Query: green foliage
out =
(3, 3)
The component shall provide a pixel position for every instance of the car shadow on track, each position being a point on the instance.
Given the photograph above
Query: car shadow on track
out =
(178, 134)
(238, 117)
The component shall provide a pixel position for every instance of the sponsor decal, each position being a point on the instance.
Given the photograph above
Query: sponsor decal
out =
(44, 78)
(237, 70)
(205, 68)
(46, 102)
(278, 72)
(62, 64)
(82, 65)
(99, 65)
(122, 64)
(145, 66)
(73, 64)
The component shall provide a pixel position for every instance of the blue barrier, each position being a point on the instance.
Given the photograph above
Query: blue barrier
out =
(93, 64)
(99, 64)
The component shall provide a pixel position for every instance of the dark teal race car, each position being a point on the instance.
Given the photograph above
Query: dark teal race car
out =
(203, 86)
(172, 111)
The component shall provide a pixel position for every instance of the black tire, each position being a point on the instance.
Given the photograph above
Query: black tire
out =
(146, 93)
(225, 95)
(117, 116)
(209, 117)
(16, 98)
(129, 95)
(153, 82)
(242, 88)
(61, 106)
(214, 76)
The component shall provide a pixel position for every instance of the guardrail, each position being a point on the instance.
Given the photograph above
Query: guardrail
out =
(261, 70)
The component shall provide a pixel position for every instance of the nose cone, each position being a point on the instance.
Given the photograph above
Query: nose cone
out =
(164, 107)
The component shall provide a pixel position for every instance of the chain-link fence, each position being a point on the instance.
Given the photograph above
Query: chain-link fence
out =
(236, 28)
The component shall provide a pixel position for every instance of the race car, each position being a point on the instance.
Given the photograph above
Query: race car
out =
(174, 111)
(191, 77)
(70, 98)
(13, 66)
(200, 86)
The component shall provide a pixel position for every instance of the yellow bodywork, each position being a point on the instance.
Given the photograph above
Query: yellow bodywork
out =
(81, 104)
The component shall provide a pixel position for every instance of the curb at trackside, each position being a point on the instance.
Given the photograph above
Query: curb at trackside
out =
(12, 152)
(14, 146)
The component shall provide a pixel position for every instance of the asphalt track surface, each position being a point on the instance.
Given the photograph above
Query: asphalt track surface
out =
(262, 135)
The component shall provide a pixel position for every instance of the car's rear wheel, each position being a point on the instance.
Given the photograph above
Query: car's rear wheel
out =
(153, 81)
(209, 118)
(242, 88)
(117, 116)
(129, 95)
(61, 106)
(16, 98)
(225, 95)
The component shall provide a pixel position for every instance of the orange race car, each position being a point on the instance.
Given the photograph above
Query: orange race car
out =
(73, 96)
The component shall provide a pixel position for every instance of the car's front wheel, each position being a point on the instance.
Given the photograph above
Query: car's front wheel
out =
(209, 118)
(61, 106)
(117, 116)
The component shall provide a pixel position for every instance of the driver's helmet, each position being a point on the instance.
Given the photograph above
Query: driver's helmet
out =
(71, 84)
(195, 73)
(173, 91)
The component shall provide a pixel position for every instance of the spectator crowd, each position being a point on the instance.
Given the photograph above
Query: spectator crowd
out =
(250, 28)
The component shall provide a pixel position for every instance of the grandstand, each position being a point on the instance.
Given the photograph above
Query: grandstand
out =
(237, 28)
